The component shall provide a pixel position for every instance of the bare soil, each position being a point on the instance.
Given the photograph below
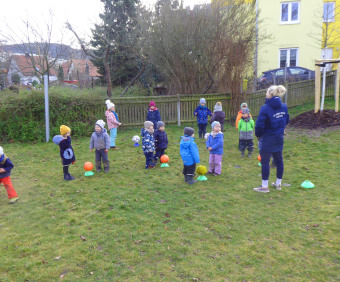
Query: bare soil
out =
(311, 120)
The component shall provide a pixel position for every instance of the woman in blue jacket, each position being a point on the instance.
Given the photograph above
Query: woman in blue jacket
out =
(269, 129)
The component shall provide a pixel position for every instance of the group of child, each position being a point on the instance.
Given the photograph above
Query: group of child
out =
(154, 142)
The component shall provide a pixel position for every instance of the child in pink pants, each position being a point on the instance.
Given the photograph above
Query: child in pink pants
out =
(215, 146)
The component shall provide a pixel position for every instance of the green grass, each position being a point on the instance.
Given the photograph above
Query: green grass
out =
(149, 225)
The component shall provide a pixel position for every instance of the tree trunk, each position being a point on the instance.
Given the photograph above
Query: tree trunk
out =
(133, 80)
(108, 73)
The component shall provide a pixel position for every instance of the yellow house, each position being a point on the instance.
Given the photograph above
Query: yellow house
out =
(295, 30)
(331, 29)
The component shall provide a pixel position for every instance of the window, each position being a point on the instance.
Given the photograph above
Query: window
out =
(328, 12)
(288, 57)
(290, 13)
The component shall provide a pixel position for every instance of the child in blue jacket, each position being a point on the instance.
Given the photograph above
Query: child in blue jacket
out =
(153, 114)
(161, 141)
(202, 113)
(148, 143)
(189, 154)
(215, 146)
(66, 150)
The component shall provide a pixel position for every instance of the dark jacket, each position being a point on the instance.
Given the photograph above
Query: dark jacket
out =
(189, 151)
(270, 125)
(7, 165)
(202, 114)
(218, 116)
(148, 142)
(216, 143)
(66, 150)
(153, 116)
(161, 140)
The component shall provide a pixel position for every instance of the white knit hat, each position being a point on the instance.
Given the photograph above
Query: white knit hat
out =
(109, 104)
(202, 101)
(101, 123)
(1, 151)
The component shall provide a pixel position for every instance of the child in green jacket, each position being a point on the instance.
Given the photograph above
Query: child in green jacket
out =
(246, 126)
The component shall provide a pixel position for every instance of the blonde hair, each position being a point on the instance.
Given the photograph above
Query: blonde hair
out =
(278, 91)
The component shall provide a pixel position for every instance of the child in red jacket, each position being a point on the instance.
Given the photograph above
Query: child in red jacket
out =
(6, 166)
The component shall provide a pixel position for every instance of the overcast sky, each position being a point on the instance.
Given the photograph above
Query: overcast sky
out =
(82, 14)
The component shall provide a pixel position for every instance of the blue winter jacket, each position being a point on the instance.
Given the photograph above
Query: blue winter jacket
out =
(270, 125)
(216, 143)
(148, 142)
(161, 140)
(7, 165)
(153, 116)
(189, 151)
(202, 114)
(66, 150)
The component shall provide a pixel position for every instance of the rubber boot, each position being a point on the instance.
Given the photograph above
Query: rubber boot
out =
(249, 154)
(191, 180)
(106, 167)
(242, 154)
(186, 178)
(70, 177)
(98, 166)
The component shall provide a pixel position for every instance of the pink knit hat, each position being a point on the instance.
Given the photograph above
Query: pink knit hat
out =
(152, 103)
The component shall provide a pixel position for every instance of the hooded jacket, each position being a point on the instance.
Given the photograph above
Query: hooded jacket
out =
(111, 119)
(154, 116)
(218, 116)
(66, 150)
(270, 125)
(202, 114)
(148, 142)
(100, 141)
(161, 140)
(7, 165)
(189, 151)
(246, 127)
(216, 143)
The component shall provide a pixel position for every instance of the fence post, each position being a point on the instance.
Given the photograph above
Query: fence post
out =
(286, 96)
(337, 79)
(179, 109)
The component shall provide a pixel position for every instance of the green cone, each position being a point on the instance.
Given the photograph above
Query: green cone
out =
(307, 184)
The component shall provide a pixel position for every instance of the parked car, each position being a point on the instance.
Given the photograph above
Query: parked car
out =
(279, 76)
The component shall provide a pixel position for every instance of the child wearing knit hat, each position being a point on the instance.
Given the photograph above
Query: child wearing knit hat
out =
(189, 154)
(202, 113)
(100, 141)
(161, 141)
(218, 115)
(148, 143)
(66, 150)
(246, 126)
(6, 166)
(215, 146)
(239, 114)
(153, 114)
(112, 122)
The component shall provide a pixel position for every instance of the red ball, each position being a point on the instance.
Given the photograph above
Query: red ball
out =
(164, 159)
(259, 158)
(88, 166)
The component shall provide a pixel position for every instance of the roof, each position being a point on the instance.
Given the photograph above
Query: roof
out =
(24, 64)
(80, 65)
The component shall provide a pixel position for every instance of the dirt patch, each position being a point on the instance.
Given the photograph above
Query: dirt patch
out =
(292, 132)
(311, 120)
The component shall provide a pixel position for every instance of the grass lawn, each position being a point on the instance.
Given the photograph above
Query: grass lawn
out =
(137, 224)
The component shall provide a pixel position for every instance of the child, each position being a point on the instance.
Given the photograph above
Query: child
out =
(153, 114)
(215, 146)
(239, 114)
(189, 154)
(112, 123)
(148, 143)
(161, 141)
(246, 126)
(6, 166)
(66, 150)
(218, 115)
(202, 113)
(100, 141)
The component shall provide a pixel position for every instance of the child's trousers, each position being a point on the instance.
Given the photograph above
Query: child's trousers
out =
(215, 163)
(9, 187)
(148, 159)
(159, 153)
(245, 144)
(102, 156)
(113, 136)
(202, 129)
(189, 170)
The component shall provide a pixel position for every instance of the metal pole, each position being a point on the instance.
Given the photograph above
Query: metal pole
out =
(47, 114)
(256, 43)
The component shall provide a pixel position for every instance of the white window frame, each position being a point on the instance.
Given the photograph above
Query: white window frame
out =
(332, 18)
(288, 56)
(290, 12)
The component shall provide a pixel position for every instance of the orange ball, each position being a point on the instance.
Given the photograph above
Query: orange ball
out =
(88, 166)
(259, 158)
(164, 159)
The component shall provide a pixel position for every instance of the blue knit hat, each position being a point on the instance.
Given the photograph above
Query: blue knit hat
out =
(245, 111)
(202, 101)
(214, 124)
